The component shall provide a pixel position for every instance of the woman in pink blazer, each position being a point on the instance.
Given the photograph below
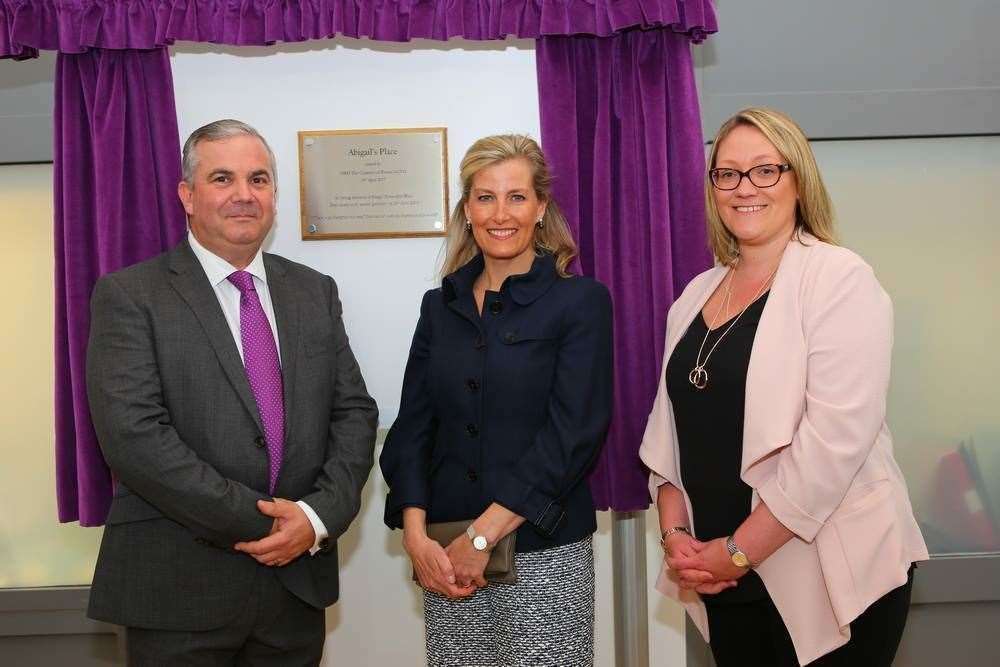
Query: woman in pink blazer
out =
(787, 528)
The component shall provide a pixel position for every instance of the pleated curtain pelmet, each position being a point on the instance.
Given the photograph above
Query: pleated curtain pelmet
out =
(72, 26)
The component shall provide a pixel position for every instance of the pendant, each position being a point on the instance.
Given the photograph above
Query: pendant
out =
(698, 377)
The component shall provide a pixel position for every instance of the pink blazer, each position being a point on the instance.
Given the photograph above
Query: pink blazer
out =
(816, 448)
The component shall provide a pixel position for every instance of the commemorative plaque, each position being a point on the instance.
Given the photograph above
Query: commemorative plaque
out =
(363, 184)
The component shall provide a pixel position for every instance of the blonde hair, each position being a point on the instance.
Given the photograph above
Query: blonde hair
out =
(553, 237)
(813, 210)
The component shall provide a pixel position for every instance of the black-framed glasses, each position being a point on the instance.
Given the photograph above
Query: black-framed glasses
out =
(763, 176)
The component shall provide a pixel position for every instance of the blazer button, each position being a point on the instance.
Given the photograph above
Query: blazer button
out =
(472, 475)
(260, 442)
(472, 430)
(496, 307)
(472, 384)
(509, 337)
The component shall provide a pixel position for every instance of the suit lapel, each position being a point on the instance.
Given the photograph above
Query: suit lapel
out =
(693, 307)
(286, 316)
(189, 280)
(456, 289)
(466, 308)
(776, 376)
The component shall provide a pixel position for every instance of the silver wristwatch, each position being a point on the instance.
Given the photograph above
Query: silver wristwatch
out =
(479, 542)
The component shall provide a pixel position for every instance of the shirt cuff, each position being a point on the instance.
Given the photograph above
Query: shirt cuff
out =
(319, 528)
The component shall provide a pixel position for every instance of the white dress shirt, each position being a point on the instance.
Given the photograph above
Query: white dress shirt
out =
(218, 270)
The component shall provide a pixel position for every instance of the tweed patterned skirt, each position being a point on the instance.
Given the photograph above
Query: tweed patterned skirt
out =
(545, 619)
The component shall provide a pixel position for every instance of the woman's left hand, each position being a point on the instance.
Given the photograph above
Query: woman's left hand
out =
(713, 558)
(469, 563)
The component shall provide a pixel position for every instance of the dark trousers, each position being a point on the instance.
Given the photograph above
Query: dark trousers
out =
(752, 633)
(273, 628)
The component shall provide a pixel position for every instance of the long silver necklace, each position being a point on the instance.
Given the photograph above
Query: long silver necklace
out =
(698, 375)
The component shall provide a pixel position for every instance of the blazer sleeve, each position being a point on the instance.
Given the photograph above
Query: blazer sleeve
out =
(847, 322)
(134, 428)
(579, 411)
(406, 454)
(351, 444)
(656, 450)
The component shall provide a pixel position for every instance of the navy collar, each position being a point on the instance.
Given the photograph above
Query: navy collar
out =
(524, 288)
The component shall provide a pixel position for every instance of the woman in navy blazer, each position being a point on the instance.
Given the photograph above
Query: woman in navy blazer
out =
(505, 404)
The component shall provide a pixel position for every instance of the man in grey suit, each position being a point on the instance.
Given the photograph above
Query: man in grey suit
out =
(234, 417)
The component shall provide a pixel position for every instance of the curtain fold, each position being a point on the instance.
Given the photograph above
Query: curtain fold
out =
(10, 47)
(74, 26)
(116, 169)
(622, 133)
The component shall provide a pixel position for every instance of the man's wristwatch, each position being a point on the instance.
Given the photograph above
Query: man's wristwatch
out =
(739, 558)
(479, 542)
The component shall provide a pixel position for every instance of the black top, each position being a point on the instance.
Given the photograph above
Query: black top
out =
(710, 433)
(508, 406)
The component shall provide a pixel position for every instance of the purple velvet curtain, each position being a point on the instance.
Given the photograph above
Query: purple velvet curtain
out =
(619, 123)
(622, 132)
(10, 44)
(116, 170)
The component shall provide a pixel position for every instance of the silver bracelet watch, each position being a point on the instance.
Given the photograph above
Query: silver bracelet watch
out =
(479, 542)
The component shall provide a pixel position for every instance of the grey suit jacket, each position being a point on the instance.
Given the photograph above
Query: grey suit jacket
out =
(180, 429)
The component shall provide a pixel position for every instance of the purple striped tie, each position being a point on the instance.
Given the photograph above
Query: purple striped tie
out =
(260, 358)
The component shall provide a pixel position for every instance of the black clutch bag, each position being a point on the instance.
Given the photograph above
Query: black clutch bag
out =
(499, 569)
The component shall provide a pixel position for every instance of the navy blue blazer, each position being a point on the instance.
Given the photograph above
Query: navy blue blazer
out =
(510, 407)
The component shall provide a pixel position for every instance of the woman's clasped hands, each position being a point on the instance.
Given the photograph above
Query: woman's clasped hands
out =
(704, 567)
(455, 571)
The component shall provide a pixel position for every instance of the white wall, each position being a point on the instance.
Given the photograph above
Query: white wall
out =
(347, 84)
(473, 89)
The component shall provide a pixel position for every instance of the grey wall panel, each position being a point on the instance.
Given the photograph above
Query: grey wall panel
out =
(57, 610)
(951, 634)
(48, 626)
(26, 102)
(60, 650)
(25, 139)
(856, 68)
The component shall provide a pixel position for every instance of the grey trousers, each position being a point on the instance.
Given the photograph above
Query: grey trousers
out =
(545, 619)
(274, 628)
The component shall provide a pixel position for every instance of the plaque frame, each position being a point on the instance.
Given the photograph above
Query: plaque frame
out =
(308, 235)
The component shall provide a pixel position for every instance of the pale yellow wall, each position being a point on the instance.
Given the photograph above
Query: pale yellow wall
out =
(35, 550)
(923, 212)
